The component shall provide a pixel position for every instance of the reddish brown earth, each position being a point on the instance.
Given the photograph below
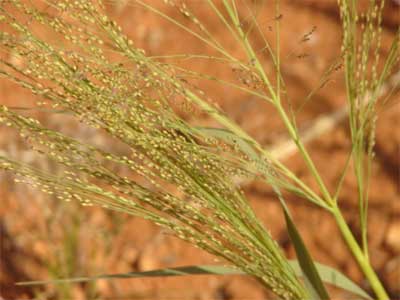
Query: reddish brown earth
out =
(35, 230)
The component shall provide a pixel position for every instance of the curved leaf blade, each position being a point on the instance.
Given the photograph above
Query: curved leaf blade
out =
(334, 277)
(313, 280)
(179, 271)
(328, 275)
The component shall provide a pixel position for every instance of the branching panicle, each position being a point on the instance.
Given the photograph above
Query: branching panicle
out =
(178, 175)
(179, 178)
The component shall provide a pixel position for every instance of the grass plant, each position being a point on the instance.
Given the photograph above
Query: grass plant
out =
(183, 176)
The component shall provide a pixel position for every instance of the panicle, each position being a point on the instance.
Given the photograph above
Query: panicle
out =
(177, 178)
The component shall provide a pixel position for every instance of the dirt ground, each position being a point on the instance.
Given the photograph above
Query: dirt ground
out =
(41, 238)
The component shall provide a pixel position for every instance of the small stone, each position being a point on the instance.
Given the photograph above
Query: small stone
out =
(41, 249)
(392, 239)
(148, 261)
(130, 255)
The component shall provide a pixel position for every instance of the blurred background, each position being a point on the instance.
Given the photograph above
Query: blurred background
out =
(42, 238)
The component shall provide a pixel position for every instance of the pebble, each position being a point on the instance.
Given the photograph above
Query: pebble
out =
(392, 239)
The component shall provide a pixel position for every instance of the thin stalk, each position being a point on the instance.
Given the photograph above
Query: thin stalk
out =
(249, 49)
(277, 103)
(201, 38)
(278, 51)
(197, 75)
(223, 20)
(303, 151)
(358, 254)
(289, 125)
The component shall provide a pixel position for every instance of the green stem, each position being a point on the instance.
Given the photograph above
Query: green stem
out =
(303, 151)
(278, 105)
(358, 254)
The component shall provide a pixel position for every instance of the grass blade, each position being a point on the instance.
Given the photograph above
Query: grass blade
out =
(311, 275)
(328, 275)
(334, 277)
(179, 271)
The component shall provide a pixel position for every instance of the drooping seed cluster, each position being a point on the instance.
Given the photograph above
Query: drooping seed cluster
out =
(97, 74)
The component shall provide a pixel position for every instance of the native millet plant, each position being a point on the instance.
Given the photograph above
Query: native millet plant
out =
(182, 177)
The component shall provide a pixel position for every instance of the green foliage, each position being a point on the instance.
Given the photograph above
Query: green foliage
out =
(311, 276)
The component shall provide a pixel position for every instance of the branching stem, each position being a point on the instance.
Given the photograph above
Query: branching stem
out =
(359, 255)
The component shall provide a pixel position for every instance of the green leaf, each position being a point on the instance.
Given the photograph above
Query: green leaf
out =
(312, 278)
(179, 271)
(328, 275)
(333, 277)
